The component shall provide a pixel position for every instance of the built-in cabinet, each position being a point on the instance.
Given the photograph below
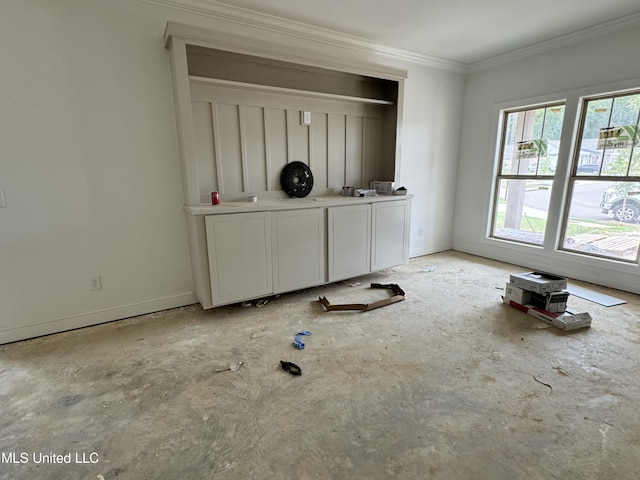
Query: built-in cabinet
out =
(298, 248)
(256, 254)
(239, 248)
(349, 241)
(389, 234)
(366, 238)
(244, 110)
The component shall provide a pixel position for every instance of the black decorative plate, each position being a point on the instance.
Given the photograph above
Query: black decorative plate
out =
(296, 179)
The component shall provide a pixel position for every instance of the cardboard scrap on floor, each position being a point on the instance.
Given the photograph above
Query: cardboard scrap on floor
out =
(544, 296)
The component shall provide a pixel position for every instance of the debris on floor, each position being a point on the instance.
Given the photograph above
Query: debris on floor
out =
(596, 297)
(292, 368)
(545, 384)
(298, 341)
(544, 296)
(259, 302)
(234, 367)
(364, 307)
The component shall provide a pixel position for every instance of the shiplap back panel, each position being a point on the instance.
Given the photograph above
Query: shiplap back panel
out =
(318, 150)
(227, 117)
(354, 150)
(336, 131)
(276, 133)
(255, 151)
(204, 151)
(245, 138)
(374, 166)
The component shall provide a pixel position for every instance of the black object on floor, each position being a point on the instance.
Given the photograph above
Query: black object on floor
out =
(292, 368)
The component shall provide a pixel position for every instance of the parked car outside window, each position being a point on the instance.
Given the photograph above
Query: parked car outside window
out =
(590, 168)
(619, 207)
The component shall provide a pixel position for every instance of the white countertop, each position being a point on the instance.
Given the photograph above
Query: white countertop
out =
(290, 204)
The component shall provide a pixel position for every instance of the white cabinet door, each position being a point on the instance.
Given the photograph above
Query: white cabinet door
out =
(389, 234)
(349, 241)
(239, 247)
(298, 249)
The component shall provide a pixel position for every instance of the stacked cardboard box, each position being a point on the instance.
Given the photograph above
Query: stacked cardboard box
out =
(544, 297)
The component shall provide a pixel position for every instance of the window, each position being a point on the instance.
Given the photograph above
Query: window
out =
(529, 144)
(600, 192)
(604, 186)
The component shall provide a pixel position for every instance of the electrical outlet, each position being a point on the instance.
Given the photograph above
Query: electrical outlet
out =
(420, 232)
(95, 283)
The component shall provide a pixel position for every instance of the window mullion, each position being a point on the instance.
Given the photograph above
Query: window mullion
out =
(633, 143)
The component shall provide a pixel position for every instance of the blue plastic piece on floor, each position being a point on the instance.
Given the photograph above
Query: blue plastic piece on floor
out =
(297, 342)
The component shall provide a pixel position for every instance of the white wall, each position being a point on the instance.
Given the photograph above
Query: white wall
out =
(88, 167)
(89, 164)
(598, 65)
(430, 142)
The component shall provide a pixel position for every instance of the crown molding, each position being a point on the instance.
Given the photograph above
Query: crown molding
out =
(303, 31)
(557, 42)
(263, 48)
(358, 45)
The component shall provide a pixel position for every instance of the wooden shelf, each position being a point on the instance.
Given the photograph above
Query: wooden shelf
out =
(289, 91)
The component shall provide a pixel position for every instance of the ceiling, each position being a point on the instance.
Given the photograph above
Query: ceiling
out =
(463, 31)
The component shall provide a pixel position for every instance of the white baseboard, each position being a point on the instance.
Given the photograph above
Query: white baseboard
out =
(435, 248)
(94, 318)
(578, 267)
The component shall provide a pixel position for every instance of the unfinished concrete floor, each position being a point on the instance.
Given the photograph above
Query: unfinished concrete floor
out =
(439, 386)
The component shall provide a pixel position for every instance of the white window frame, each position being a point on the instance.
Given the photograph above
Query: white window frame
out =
(580, 120)
(498, 176)
(552, 250)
